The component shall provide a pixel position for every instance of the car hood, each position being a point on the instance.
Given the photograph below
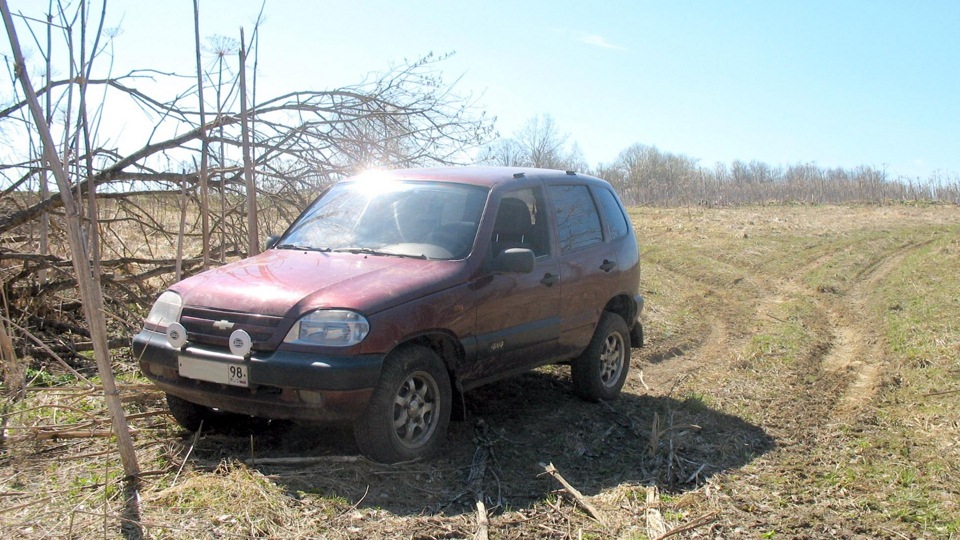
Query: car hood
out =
(282, 282)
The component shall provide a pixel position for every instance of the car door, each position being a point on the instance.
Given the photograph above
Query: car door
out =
(518, 314)
(588, 267)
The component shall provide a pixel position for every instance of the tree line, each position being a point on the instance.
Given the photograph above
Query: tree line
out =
(646, 176)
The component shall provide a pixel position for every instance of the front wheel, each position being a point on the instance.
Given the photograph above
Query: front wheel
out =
(188, 414)
(409, 411)
(599, 373)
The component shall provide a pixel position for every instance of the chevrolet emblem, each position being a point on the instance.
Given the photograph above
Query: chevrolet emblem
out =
(223, 325)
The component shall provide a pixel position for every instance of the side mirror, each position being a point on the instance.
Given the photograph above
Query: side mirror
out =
(271, 241)
(514, 260)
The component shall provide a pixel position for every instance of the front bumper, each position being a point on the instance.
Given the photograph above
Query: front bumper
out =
(282, 384)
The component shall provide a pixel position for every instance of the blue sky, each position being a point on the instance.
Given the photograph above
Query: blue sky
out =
(840, 83)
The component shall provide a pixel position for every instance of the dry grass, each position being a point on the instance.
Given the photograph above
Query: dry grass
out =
(799, 381)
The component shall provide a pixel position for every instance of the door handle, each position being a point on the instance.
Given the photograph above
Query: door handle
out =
(549, 279)
(608, 265)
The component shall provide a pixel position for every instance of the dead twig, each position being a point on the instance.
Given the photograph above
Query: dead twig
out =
(942, 393)
(696, 473)
(25, 505)
(196, 437)
(43, 346)
(356, 504)
(577, 496)
(643, 382)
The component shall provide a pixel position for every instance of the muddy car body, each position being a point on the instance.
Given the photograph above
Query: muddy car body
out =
(394, 293)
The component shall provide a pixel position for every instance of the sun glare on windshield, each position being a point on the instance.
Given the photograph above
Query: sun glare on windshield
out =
(377, 214)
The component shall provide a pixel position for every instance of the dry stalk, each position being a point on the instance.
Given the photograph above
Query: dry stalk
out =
(483, 523)
(655, 435)
(656, 527)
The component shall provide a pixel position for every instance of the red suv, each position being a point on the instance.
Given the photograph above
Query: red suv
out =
(396, 292)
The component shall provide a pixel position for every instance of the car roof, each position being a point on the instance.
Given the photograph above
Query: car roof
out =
(487, 176)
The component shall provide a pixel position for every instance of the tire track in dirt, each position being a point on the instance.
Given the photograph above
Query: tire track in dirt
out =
(672, 366)
(853, 360)
(707, 340)
(857, 345)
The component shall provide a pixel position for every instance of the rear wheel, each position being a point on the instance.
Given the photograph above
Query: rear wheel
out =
(599, 373)
(409, 411)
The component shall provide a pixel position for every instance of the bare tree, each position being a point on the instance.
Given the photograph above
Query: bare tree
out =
(505, 153)
(542, 142)
(538, 143)
(301, 141)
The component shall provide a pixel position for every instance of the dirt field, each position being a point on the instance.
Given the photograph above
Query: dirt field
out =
(799, 380)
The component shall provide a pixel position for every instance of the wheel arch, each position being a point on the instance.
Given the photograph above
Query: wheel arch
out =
(624, 306)
(451, 353)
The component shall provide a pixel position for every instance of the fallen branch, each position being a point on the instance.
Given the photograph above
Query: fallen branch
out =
(578, 497)
(301, 460)
(54, 435)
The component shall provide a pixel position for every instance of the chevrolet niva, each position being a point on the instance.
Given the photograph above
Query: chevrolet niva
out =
(394, 293)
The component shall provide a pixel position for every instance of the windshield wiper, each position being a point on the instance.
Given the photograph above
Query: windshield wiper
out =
(371, 251)
(299, 247)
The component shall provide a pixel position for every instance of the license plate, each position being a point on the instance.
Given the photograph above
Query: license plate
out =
(217, 372)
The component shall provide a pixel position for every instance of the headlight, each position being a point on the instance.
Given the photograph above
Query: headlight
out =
(165, 310)
(330, 328)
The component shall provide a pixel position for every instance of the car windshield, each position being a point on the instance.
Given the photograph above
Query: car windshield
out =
(430, 220)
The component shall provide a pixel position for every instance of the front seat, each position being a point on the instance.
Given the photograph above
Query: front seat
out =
(512, 228)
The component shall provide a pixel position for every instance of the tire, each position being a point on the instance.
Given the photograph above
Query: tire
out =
(188, 414)
(599, 373)
(409, 411)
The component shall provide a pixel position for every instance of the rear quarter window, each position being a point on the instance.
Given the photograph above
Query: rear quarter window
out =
(613, 214)
(578, 223)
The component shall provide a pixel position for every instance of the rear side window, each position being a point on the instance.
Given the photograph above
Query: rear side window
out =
(578, 223)
(613, 214)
